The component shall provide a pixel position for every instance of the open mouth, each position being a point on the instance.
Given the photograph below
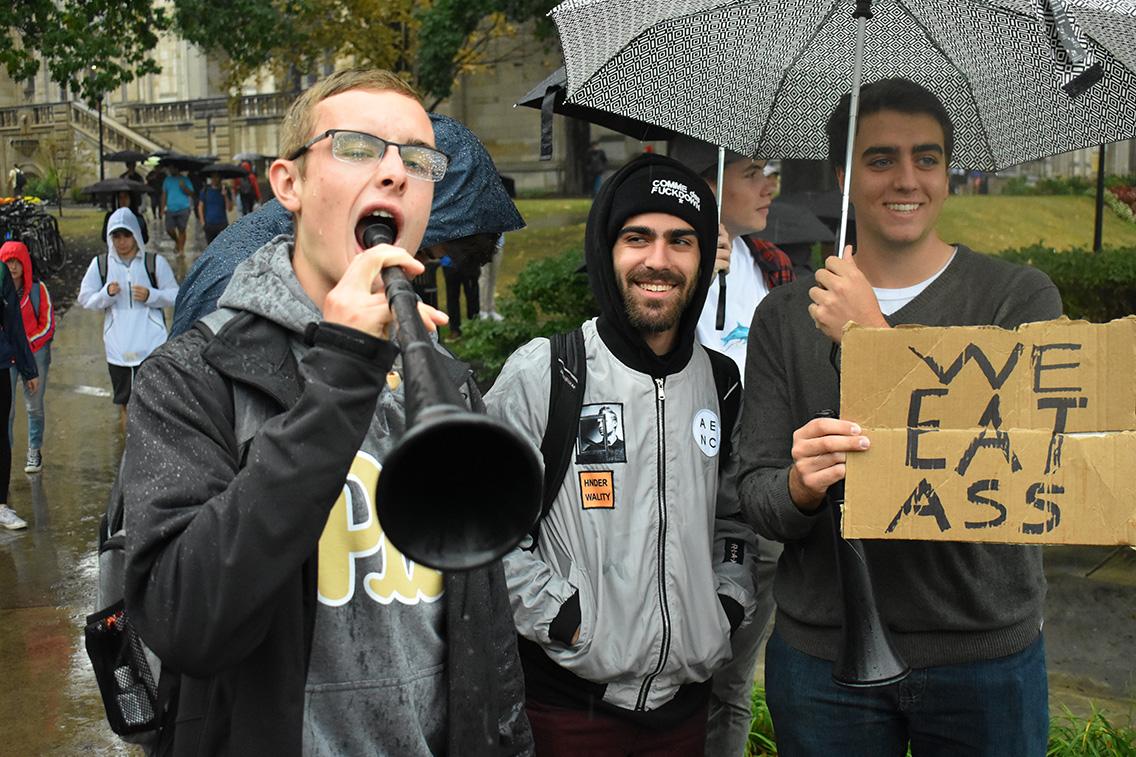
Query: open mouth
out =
(368, 220)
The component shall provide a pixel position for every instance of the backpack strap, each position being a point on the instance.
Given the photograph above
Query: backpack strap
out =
(250, 408)
(150, 261)
(35, 296)
(569, 372)
(101, 261)
(728, 385)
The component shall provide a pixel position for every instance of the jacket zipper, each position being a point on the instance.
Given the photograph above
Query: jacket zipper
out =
(661, 549)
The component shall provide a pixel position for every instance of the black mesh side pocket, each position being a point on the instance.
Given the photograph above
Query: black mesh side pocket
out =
(127, 684)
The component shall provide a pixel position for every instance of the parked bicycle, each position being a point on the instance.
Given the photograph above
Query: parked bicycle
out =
(27, 222)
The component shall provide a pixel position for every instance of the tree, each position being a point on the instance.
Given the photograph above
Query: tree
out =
(289, 36)
(454, 34)
(453, 37)
(65, 160)
(70, 37)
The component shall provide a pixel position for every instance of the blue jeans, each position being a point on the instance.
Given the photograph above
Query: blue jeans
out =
(991, 707)
(33, 402)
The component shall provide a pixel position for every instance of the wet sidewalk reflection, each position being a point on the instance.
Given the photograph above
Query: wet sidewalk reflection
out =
(49, 703)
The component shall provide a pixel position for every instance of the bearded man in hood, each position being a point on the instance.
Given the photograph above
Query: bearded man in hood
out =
(626, 601)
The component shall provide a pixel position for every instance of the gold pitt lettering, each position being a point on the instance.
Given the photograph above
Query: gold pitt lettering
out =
(344, 541)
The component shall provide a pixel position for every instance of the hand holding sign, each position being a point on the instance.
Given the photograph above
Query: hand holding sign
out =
(843, 294)
(820, 449)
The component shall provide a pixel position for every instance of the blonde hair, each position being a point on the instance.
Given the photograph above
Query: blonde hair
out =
(300, 119)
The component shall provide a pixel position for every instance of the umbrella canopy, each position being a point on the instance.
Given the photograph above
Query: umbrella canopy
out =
(225, 170)
(114, 186)
(762, 77)
(790, 224)
(184, 162)
(126, 156)
(823, 205)
(252, 157)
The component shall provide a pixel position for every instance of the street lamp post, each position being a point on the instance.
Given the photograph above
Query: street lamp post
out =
(102, 163)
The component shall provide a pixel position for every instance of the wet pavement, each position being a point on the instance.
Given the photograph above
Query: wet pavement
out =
(49, 704)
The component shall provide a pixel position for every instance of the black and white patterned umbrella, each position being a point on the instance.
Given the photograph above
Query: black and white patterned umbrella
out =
(761, 77)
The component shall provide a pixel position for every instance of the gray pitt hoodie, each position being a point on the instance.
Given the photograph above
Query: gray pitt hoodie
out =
(377, 677)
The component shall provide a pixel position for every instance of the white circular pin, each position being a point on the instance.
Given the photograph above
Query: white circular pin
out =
(707, 432)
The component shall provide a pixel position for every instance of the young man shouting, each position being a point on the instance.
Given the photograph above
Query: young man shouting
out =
(260, 573)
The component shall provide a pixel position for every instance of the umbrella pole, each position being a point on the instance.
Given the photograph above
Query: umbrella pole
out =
(1098, 220)
(862, 13)
(720, 316)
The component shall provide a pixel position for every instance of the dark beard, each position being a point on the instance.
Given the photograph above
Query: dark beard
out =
(648, 319)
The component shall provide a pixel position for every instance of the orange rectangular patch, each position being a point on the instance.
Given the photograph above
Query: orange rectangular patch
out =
(597, 489)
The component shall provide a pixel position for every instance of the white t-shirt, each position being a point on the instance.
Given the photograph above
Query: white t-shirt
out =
(745, 288)
(892, 300)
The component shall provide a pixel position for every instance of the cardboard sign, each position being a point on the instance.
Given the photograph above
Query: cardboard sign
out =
(984, 434)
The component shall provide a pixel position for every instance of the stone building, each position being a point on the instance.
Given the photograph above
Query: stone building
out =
(185, 109)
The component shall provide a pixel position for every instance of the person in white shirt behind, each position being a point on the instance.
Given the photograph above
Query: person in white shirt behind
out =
(755, 267)
(133, 291)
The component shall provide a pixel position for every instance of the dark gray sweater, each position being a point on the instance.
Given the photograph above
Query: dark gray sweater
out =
(946, 602)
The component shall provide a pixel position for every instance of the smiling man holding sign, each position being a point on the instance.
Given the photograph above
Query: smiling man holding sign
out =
(966, 617)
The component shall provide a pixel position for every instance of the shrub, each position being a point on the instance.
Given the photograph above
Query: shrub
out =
(1095, 735)
(43, 188)
(549, 296)
(1096, 287)
(1120, 205)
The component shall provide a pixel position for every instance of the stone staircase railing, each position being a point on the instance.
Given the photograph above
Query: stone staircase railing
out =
(116, 135)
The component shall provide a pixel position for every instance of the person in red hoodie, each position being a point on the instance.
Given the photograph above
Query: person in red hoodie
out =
(14, 350)
(39, 325)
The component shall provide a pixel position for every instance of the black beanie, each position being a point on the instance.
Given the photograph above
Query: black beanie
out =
(664, 187)
(649, 183)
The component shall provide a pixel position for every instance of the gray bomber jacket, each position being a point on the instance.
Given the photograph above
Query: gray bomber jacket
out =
(642, 529)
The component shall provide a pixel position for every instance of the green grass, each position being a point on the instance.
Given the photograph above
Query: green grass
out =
(83, 223)
(1095, 736)
(990, 223)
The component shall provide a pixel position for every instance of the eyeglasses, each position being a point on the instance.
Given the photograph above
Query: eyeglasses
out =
(359, 149)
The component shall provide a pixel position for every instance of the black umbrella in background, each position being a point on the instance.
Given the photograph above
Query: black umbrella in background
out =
(114, 186)
(184, 162)
(823, 205)
(126, 156)
(795, 229)
(225, 170)
(548, 98)
(790, 224)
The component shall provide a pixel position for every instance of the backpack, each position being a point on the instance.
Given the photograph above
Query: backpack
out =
(139, 694)
(149, 260)
(569, 369)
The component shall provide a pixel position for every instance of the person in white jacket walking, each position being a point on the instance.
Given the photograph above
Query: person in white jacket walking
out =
(131, 293)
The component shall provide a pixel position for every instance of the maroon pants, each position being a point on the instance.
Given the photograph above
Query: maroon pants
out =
(563, 732)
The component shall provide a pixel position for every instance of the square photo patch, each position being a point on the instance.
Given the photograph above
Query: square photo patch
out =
(600, 438)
